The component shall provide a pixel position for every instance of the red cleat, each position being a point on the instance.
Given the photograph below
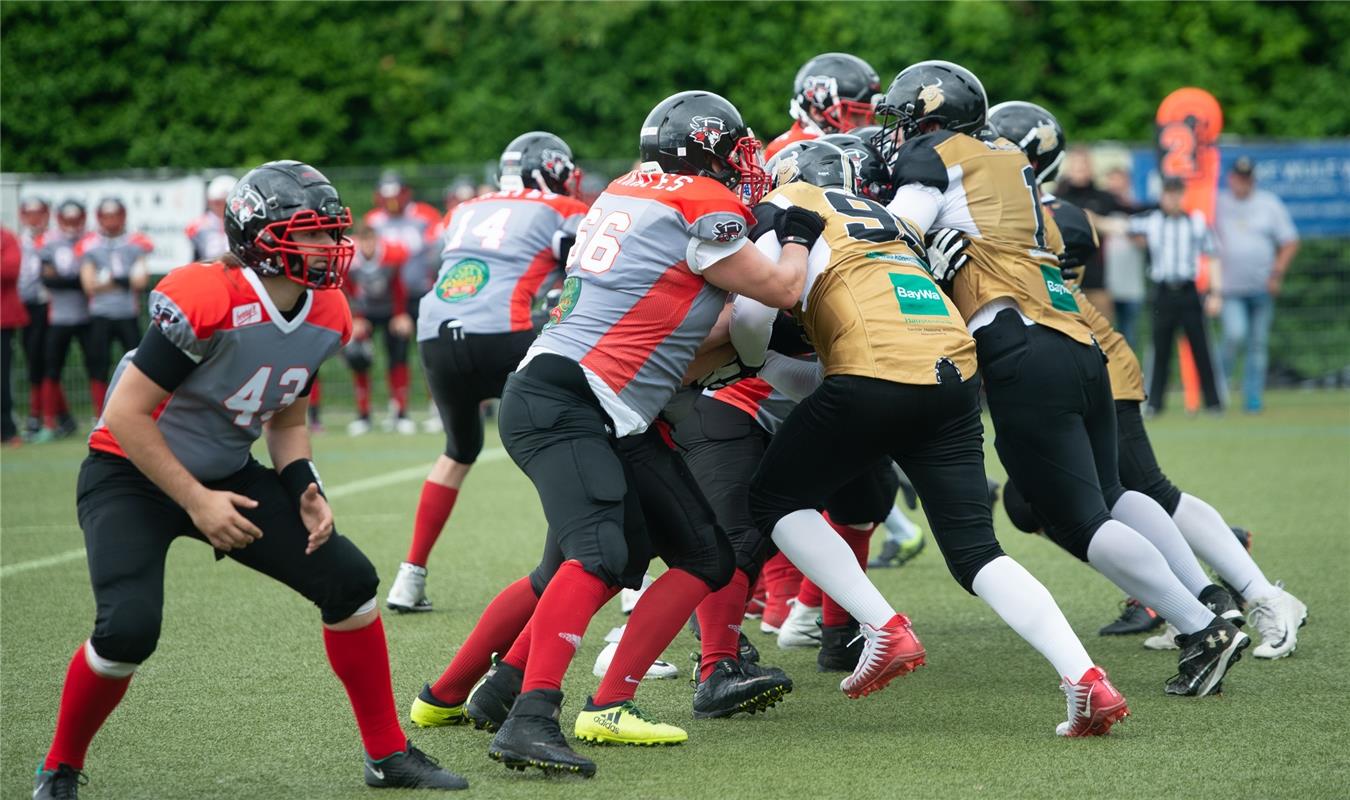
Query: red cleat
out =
(888, 652)
(1094, 705)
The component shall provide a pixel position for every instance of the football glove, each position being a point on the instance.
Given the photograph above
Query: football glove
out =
(946, 253)
(797, 225)
(727, 374)
(1070, 266)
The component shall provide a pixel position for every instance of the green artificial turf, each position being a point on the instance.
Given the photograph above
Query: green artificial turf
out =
(239, 702)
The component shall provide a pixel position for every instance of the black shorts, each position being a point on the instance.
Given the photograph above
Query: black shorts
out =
(35, 342)
(611, 503)
(395, 347)
(850, 423)
(103, 331)
(463, 370)
(57, 346)
(1139, 470)
(129, 523)
(1055, 424)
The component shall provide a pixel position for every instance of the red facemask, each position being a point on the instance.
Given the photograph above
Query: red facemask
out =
(316, 266)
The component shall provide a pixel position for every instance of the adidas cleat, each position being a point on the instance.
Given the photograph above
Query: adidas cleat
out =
(888, 652)
(409, 592)
(1094, 705)
(1277, 618)
(430, 712)
(624, 723)
(490, 702)
(62, 783)
(1206, 656)
(411, 769)
(735, 687)
(1135, 617)
(531, 737)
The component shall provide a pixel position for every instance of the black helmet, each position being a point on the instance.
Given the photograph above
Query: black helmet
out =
(874, 179)
(930, 92)
(540, 160)
(840, 88)
(700, 133)
(277, 200)
(816, 162)
(1033, 129)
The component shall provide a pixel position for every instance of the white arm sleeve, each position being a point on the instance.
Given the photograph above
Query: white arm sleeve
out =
(917, 203)
(794, 377)
(751, 328)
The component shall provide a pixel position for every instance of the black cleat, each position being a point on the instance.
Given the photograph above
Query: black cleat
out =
(490, 702)
(531, 737)
(748, 653)
(1222, 603)
(840, 648)
(1135, 617)
(733, 687)
(411, 769)
(66, 426)
(1206, 657)
(62, 783)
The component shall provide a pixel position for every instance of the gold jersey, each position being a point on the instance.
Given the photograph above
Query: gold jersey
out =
(989, 192)
(870, 307)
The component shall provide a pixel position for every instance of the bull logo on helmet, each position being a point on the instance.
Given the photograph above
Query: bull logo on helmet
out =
(932, 97)
(1046, 138)
(245, 203)
(555, 163)
(821, 91)
(707, 131)
(856, 157)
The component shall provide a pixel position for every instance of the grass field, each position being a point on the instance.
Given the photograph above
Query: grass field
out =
(238, 702)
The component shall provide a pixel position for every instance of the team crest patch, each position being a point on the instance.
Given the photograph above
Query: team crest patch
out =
(245, 203)
(165, 314)
(728, 230)
(571, 289)
(462, 281)
(707, 131)
(932, 97)
(246, 314)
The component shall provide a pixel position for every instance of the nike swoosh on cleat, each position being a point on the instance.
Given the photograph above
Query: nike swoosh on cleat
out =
(376, 772)
(629, 679)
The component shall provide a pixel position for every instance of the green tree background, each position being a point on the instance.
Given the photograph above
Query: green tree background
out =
(97, 86)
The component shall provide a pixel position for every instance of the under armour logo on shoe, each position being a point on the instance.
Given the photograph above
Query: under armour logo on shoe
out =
(1215, 640)
(572, 639)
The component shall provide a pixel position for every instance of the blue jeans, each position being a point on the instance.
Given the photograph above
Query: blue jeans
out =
(1127, 319)
(1246, 320)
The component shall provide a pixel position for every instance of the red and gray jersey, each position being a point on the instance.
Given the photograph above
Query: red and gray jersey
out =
(635, 307)
(31, 290)
(374, 283)
(113, 258)
(500, 252)
(251, 362)
(410, 229)
(757, 398)
(69, 305)
(207, 234)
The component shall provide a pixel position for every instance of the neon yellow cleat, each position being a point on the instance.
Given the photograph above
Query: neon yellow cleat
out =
(624, 723)
(428, 712)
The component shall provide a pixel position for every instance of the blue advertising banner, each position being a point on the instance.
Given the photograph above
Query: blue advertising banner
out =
(1312, 178)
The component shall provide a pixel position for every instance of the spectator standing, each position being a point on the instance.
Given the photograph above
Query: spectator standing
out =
(1176, 242)
(1123, 259)
(1079, 188)
(13, 316)
(1258, 241)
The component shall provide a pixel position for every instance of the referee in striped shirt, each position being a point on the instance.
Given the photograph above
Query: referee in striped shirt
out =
(1176, 240)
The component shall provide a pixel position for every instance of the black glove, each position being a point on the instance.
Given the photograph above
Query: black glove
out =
(727, 374)
(798, 225)
(1070, 265)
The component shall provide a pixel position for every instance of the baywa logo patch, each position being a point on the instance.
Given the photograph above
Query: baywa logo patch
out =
(462, 281)
(571, 289)
(1061, 296)
(918, 295)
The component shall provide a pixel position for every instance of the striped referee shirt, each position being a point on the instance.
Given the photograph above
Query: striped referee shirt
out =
(1175, 244)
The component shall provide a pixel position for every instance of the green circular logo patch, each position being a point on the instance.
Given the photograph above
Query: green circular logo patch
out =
(462, 281)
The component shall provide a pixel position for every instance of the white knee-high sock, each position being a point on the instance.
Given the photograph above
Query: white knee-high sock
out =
(1211, 539)
(1027, 607)
(900, 528)
(823, 556)
(1146, 517)
(1135, 565)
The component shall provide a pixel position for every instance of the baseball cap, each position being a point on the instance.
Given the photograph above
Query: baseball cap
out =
(1244, 166)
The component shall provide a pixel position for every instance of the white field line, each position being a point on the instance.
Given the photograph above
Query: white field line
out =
(339, 491)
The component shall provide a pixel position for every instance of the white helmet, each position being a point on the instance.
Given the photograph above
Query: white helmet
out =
(220, 186)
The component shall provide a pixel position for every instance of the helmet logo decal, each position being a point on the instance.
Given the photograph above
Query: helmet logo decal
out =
(246, 203)
(786, 169)
(821, 91)
(1045, 136)
(555, 163)
(707, 131)
(856, 156)
(728, 231)
(932, 97)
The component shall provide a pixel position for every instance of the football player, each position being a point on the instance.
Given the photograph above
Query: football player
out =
(832, 93)
(207, 231)
(34, 221)
(501, 251)
(68, 317)
(1045, 377)
(647, 278)
(230, 353)
(1276, 613)
(379, 305)
(113, 275)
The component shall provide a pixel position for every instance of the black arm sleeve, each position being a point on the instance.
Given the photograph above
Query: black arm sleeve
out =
(1080, 238)
(61, 283)
(309, 385)
(124, 282)
(918, 162)
(565, 247)
(162, 361)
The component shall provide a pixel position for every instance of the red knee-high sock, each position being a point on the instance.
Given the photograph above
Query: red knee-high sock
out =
(519, 654)
(433, 509)
(360, 658)
(35, 400)
(831, 613)
(501, 623)
(808, 594)
(664, 609)
(719, 623)
(398, 387)
(559, 622)
(51, 391)
(782, 580)
(361, 380)
(98, 392)
(86, 701)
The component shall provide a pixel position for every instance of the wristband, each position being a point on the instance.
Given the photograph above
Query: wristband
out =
(298, 475)
(795, 240)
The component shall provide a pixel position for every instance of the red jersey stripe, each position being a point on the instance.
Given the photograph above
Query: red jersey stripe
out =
(103, 440)
(747, 395)
(619, 354)
(522, 296)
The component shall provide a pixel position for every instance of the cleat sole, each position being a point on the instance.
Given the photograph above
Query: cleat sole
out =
(760, 702)
(519, 763)
(897, 669)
